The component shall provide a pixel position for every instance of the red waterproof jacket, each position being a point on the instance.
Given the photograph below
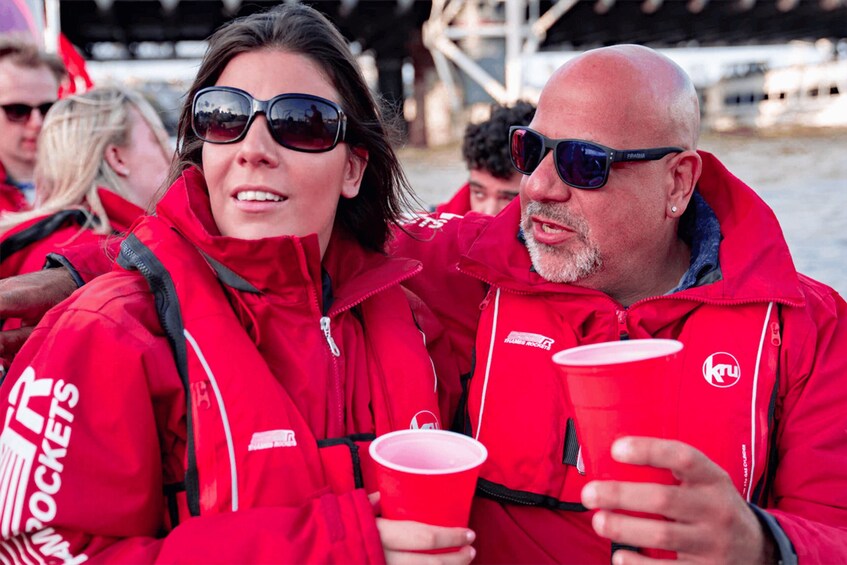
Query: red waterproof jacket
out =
(212, 378)
(11, 197)
(23, 248)
(778, 338)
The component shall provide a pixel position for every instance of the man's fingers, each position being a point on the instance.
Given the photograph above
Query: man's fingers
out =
(648, 532)
(669, 501)
(415, 536)
(11, 342)
(460, 557)
(687, 463)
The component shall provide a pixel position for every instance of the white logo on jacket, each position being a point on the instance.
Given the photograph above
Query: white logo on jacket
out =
(33, 454)
(432, 221)
(271, 439)
(721, 370)
(530, 340)
(424, 420)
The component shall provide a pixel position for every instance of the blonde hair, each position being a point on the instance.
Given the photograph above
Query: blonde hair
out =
(71, 163)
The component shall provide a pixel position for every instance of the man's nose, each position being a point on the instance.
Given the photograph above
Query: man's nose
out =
(544, 183)
(490, 206)
(36, 119)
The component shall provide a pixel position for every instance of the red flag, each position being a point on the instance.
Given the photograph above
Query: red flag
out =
(78, 79)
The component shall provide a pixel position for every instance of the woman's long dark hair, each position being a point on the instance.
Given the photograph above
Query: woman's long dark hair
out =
(297, 28)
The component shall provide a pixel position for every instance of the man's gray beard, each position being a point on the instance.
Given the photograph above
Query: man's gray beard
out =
(555, 264)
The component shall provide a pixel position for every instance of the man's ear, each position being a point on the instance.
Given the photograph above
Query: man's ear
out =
(354, 170)
(684, 176)
(113, 155)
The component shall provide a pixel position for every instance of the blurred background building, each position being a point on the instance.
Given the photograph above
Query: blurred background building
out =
(756, 63)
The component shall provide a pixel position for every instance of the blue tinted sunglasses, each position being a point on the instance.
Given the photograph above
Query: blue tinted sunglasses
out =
(580, 164)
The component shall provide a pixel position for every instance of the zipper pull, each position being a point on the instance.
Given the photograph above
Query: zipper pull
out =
(200, 392)
(487, 299)
(776, 339)
(328, 336)
(622, 329)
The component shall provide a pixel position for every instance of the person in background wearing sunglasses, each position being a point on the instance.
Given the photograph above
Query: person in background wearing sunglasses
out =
(211, 398)
(103, 155)
(29, 85)
(624, 230)
(492, 182)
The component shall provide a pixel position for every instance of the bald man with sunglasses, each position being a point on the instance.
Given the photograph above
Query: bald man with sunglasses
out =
(29, 85)
(623, 230)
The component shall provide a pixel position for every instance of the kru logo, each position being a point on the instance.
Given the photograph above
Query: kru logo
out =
(721, 370)
(424, 420)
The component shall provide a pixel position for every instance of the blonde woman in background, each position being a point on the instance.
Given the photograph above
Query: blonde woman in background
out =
(102, 156)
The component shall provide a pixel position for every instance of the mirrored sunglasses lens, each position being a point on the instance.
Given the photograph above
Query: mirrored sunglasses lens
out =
(527, 148)
(17, 112)
(581, 164)
(303, 123)
(220, 116)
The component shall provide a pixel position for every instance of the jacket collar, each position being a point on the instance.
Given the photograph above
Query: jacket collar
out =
(277, 264)
(754, 259)
(122, 213)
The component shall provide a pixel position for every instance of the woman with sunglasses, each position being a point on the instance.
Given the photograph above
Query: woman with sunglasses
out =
(211, 400)
(102, 156)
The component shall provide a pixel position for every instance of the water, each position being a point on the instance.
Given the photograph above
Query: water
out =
(802, 175)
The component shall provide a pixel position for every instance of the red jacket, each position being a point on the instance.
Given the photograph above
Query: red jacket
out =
(11, 197)
(281, 400)
(39, 236)
(779, 432)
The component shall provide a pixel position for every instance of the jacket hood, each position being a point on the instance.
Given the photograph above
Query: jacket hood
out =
(275, 264)
(754, 257)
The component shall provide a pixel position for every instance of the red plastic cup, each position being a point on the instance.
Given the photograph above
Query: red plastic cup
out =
(427, 475)
(623, 388)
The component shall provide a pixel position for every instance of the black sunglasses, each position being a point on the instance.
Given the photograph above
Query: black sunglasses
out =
(302, 122)
(580, 164)
(20, 112)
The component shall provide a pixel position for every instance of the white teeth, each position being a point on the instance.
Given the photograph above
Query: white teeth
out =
(547, 228)
(257, 196)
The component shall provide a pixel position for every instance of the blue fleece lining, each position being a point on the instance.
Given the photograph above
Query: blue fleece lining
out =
(327, 297)
(700, 229)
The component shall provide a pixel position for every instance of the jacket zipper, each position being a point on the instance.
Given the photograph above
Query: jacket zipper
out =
(325, 324)
(336, 392)
(623, 331)
(328, 335)
(487, 299)
(200, 393)
(775, 337)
